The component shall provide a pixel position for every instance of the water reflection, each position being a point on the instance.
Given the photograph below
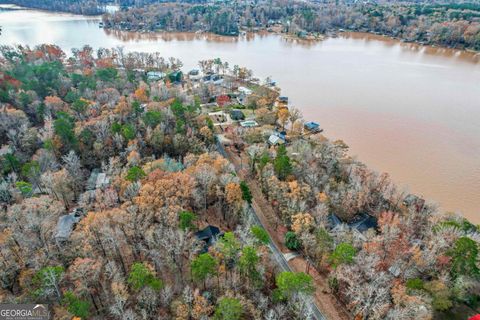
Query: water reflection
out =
(414, 47)
(404, 108)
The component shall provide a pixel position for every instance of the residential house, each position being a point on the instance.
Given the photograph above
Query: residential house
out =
(282, 100)
(361, 223)
(194, 75)
(175, 76)
(245, 91)
(66, 224)
(209, 236)
(237, 115)
(97, 180)
(277, 138)
(312, 127)
(155, 75)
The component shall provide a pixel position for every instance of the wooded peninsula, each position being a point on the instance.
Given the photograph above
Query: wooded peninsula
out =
(444, 23)
(455, 25)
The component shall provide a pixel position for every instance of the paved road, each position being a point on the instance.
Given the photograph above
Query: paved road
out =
(282, 262)
(277, 254)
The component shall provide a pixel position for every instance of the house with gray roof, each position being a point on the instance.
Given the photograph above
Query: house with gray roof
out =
(66, 224)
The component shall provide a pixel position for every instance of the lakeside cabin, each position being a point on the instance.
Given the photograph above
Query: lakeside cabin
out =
(312, 127)
(282, 100)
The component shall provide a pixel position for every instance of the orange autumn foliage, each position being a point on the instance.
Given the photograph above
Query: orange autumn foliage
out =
(141, 95)
(165, 194)
(233, 194)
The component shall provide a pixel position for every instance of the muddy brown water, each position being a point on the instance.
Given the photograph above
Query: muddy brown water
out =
(412, 111)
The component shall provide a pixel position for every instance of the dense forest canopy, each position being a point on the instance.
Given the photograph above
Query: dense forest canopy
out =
(105, 177)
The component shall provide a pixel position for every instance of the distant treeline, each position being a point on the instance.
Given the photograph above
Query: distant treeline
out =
(446, 24)
(85, 7)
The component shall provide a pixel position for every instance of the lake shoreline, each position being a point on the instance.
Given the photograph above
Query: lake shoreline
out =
(309, 37)
(402, 124)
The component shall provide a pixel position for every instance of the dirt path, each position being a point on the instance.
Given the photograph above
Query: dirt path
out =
(327, 303)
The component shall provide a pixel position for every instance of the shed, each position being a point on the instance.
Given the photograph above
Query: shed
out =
(395, 270)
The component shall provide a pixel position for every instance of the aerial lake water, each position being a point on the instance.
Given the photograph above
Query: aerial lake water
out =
(412, 111)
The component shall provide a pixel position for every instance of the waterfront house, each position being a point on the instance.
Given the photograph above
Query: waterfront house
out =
(243, 95)
(274, 140)
(175, 76)
(282, 100)
(312, 127)
(155, 75)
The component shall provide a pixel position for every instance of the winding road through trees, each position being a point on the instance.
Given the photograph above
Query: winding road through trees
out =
(324, 305)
